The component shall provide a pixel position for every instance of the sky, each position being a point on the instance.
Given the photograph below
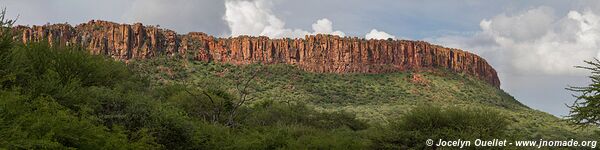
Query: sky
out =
(533, 44)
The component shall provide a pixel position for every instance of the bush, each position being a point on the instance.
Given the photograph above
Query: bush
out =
(297, 137)
(269, 113)
(62, 98)
(453, 123)
(42, 123)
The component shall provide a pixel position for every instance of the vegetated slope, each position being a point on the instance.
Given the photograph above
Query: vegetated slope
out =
(375, 98)
(63, 98)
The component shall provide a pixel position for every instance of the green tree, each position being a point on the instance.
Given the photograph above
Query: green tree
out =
(586, 108)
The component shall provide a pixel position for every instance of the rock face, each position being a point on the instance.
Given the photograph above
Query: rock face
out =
(317, 53)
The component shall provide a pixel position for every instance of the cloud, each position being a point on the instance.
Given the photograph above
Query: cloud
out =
(39, 12)
(256, 18)
(374, 34)
(529, 25)
(325, 26)
(535, 41)
(180, 15)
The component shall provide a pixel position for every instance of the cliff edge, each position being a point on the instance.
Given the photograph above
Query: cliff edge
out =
(317, 53)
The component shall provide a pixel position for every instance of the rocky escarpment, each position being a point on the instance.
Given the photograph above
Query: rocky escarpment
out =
(317, 53)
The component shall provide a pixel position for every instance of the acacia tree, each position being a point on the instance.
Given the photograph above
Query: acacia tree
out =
(244, 89)
(227, 109)
(586, 108)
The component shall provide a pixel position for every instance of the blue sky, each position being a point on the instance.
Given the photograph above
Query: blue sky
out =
(533, 44)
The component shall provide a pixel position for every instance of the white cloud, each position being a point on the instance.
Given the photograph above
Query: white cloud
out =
(325, 26)
(256, 18)
(374, 34)
(535, 41)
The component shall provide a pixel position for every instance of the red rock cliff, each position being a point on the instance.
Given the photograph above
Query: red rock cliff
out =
(317, 53)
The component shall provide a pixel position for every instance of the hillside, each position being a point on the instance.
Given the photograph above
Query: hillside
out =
(103, 85)
(374, 98)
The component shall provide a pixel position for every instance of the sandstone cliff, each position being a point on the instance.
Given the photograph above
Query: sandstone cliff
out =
(317, 53)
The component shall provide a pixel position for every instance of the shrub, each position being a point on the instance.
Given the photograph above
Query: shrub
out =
(453, 123)
(297, 137)
(42, 123)
(269, 113)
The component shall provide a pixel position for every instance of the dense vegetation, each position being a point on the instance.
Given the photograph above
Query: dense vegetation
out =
(64, 98)
(55, 98)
